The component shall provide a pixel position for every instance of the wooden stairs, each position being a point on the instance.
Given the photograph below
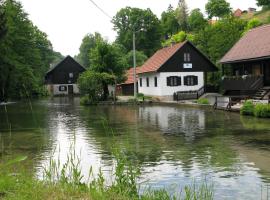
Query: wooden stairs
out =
(261, 93)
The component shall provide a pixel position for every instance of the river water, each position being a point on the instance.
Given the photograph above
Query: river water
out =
(174, 145)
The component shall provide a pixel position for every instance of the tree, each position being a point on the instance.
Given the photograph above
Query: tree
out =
(253, 23)
(196, 20)
(217, 8)
(88, 43)
(169, 22)
(182, 15)
(179, 37)
(3, 28)
(108, 58)
(263, 2)
(144, 23)
(140, 58)
(26, 54)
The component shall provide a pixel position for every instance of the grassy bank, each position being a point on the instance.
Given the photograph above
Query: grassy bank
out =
(66, 182)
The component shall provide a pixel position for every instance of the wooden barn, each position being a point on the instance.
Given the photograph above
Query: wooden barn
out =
(127, 88)
(62, 78)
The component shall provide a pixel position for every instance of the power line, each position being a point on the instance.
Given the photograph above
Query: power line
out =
(105, 13)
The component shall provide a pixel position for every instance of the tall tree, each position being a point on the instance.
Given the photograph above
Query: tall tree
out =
(3, 27)
(144, 23)
(140, 58)
(169, 22)
(182, 15)
(88, 43)
(217, 8)
(263, 2)
(196, 20)
(108, 58)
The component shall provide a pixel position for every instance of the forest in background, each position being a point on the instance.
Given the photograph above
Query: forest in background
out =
(26, 53)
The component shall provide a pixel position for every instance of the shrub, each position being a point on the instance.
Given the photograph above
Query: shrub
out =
(262, 110)
(85, 100)
(247, 108)
(203, 101)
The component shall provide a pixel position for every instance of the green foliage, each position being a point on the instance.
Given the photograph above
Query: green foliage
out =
(3, 27)
(140, 58)
(26, 55)
(196, 20)
(146, 25)
(253, 23)
(217, 8)
(92, 84)
(263, 2)
(179, 37)
(169, 22)
(247, 108)
(89, 42)
(203, 101)
(262, 111)
(182, 15)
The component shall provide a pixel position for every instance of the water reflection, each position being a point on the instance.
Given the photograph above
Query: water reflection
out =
(174, 144)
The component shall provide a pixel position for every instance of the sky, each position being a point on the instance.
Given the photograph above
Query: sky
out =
(66, 22)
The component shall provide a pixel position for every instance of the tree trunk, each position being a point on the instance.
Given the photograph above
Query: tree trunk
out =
(105, 91)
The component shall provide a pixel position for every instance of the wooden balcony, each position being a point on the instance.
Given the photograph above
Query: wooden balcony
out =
(247, 84)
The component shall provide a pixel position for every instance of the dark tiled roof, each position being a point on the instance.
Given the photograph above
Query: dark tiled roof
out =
(159, 58)
(255, 44)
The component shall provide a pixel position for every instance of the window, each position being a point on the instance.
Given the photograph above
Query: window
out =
(147, 81)
(62, 88)
(190, 80)
(155, 81)
(173, 81)
(70, 75)
(187, 57)
(140, 82)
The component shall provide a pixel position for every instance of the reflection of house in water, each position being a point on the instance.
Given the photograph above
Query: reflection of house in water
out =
(175, 121)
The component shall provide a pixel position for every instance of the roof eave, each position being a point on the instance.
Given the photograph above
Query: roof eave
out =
(244, 60)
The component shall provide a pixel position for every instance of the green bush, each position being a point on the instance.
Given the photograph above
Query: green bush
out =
(247, 108)
(85, 100)
(262, 110)
(203, 101)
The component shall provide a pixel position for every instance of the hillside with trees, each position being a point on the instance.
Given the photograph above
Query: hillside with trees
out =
(26, 53)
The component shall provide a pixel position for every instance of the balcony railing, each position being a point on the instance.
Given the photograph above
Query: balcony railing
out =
(242, 83)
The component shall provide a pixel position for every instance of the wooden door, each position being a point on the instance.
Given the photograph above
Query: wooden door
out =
(70, 89)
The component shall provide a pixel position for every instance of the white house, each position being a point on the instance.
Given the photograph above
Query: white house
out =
(174, 70)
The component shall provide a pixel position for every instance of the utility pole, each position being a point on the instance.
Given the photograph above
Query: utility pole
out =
(134, 65)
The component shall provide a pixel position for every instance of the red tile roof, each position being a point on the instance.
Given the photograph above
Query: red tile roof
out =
(159, 58)
(253, 45)
(129, 75)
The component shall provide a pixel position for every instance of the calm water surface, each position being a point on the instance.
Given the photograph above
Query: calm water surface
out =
(174, 145)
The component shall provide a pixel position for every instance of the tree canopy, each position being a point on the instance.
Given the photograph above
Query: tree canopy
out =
(263, 2)
(169, 22)
(182, 15)
(196, 20)
(26, 54)
(89, 42)
(144, 23)
(217, 8)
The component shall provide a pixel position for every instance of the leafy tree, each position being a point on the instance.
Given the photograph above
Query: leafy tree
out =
(26, 54)
(140, 58)
(3, 28)
(217, 8)
(91, 84)
(108, 58)
(88, 43)
(263, 2)
(182, 15)
(169, 22)
(179, 37)
(144, 23)
(253, 23)
(196, 20)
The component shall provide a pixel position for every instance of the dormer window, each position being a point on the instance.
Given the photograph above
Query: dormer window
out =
(70, 75)
(187, 57)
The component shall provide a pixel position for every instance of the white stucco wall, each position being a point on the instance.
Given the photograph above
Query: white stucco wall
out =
(162, 89)
(54, 89)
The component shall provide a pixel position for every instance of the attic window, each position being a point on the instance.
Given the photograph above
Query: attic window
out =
(70, 75)
(187, 57)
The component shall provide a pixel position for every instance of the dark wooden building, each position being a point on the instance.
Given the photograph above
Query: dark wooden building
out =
(127, 88)
(62, 78)
(246, 67)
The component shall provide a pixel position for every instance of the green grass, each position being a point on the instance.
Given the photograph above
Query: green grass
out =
(203, 101)
(263, 16)
(65, 182)
(247, 108)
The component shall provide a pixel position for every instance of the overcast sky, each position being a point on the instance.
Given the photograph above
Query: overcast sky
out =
(67, 21)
